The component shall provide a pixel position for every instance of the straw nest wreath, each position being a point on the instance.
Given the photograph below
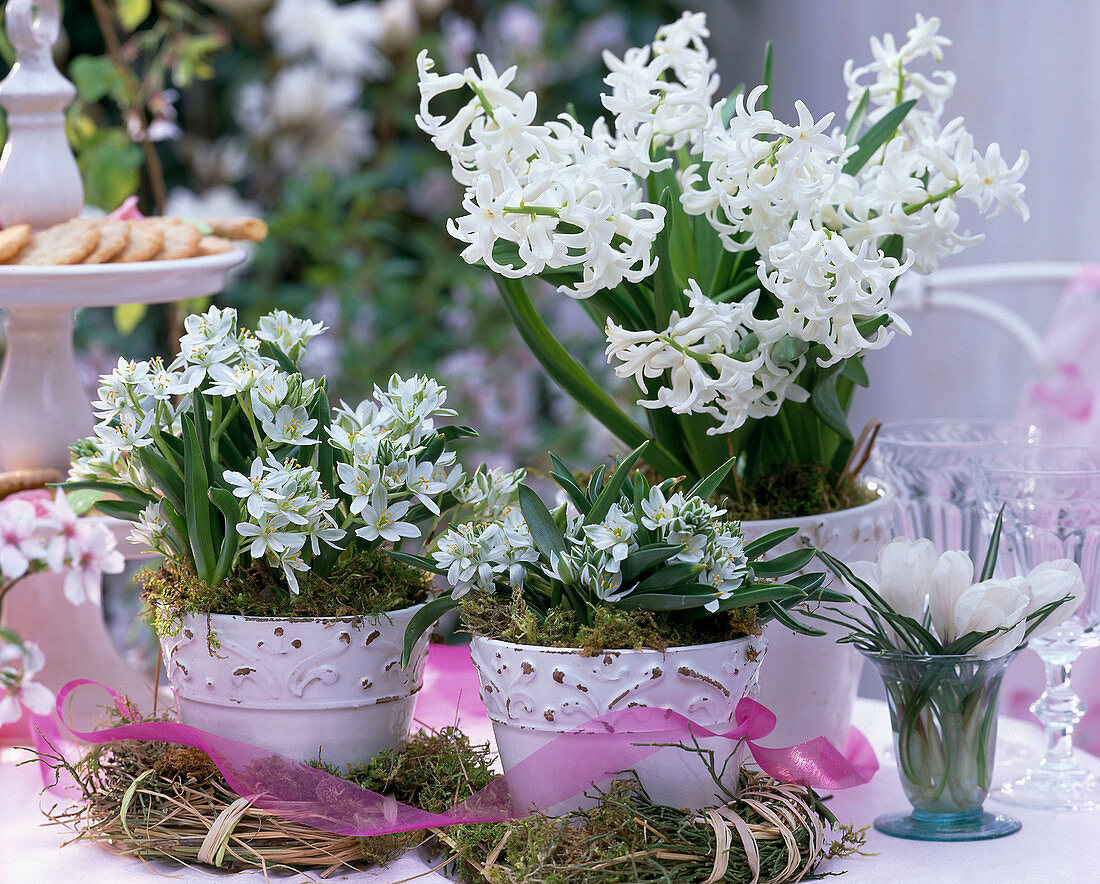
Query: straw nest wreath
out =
(156, 801)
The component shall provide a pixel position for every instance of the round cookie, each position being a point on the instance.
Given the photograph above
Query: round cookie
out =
(146, 238)
(67, 243)
(113, 237)
(214, 245)
(181, 239)
(24, 480)
(12, 240)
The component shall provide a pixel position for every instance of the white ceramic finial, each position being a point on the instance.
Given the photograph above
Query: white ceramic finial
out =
(40, 183)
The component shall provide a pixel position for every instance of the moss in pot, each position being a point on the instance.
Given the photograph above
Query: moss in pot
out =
(626, 595)
(280, 612)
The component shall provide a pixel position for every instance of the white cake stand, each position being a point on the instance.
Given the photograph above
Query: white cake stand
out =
(43, 406)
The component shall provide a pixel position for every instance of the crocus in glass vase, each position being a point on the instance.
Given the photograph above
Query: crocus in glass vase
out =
(941, 642)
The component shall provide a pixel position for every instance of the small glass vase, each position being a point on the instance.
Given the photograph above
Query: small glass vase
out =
(943, 711)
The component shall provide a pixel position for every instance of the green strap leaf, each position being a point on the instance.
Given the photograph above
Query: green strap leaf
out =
(990, 564)
(422, 621)
(646, 557)
(614, 488)
(657, 601)
(776, 612)
(787, 563)
(673, 575)
(704, 488)
(544, 530)
(876, 136)
(856, 120)
(668, 297)
(421, 562)
(769, 541)
(227, 503)
(568, 374)
(164, 476)
(768, 77)
(200, 529)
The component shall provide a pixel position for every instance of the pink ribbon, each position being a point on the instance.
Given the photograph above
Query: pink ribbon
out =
(301, 793)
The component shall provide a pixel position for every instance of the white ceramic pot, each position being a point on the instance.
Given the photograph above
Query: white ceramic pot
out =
(810, 683)
(328, 687)
(535, 694)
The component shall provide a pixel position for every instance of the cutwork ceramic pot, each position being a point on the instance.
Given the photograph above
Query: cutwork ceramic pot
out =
(304, 687)
(810, 683)
(534, 694)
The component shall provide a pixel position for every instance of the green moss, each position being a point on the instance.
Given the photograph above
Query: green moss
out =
(365, 583)
(794, 490)
(611, 628)
(435, 770)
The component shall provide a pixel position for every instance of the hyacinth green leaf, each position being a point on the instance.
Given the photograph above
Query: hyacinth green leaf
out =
(668, 297)
(614, 488)
(730, 104)
(856, 119)
(826, 404)
(545, 532)
(595, 483)
(876, 136)
(786, 563)
(769, 541)
(855, 371)
(568, 374)
(421, 621)
(768, 78)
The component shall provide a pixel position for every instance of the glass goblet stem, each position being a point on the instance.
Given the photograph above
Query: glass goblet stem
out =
(1058, 708)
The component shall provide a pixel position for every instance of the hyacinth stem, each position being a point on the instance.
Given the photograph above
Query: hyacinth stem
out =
(568, 374)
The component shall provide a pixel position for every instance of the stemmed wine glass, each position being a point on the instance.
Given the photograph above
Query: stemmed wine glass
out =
(926, 464)
(1051, 500)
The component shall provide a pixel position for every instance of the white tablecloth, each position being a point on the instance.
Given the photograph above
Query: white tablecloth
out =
(1052, 848)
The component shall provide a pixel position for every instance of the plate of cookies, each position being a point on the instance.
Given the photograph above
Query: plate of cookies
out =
(105, 261)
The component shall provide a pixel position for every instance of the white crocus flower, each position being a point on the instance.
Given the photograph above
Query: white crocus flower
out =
(902, 575)
(1049, 581)
(291, 426)
(993, 604)
(382, 518)
(952, 575)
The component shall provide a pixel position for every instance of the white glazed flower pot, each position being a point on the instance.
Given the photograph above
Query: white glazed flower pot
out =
(810, 683)
(534, 694)
(326, 687)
